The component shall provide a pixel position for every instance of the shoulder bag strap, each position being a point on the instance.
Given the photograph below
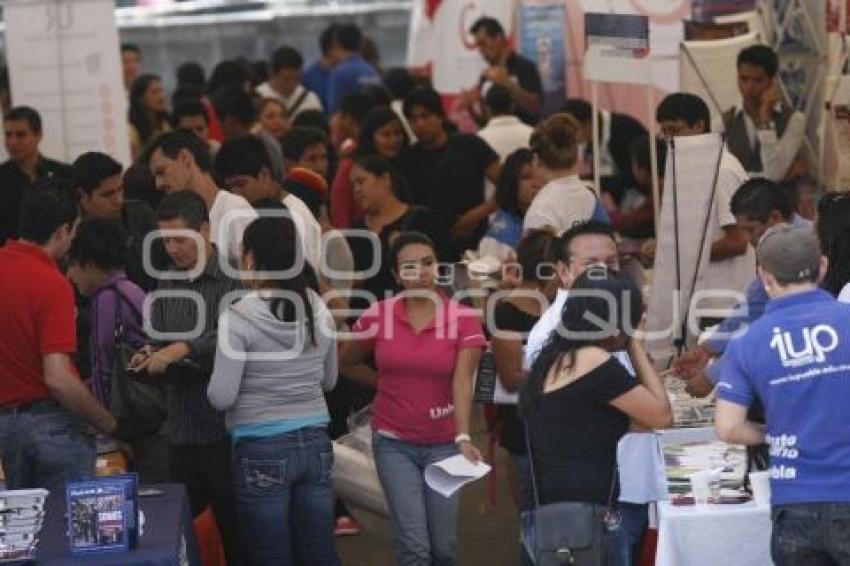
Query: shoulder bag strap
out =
(297, 106)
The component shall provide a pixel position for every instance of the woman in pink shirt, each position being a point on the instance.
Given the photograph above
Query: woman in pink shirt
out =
(426, 348)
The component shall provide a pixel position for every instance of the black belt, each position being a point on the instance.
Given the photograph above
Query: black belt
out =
(40, 406)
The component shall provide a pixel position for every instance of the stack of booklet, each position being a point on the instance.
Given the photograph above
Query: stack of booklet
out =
(103, 514)
(21, 518)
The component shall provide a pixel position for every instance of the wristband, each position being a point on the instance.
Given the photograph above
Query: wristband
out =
(462, 438)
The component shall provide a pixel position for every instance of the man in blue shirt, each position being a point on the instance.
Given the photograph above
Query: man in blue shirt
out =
(316, 76)
(758, 205)
(795, 362)
(352, 73)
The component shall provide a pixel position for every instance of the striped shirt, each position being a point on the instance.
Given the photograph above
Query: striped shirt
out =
(191, 418)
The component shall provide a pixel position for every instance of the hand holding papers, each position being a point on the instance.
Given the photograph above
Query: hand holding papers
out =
(447, 476)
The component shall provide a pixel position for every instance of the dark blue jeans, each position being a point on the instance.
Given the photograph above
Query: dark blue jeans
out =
(635, 520)
(43, 445)
(284, 499)
(814, 534)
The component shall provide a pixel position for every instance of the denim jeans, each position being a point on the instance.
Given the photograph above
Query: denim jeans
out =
(45, 446)
(284, 498)
(814, 534)
(424, 522)
(635, 520)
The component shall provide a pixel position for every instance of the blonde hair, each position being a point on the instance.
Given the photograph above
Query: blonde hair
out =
(555, 141)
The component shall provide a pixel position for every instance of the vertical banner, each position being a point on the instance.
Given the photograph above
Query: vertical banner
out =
(440, 40)
(64, 61)
(542, 27)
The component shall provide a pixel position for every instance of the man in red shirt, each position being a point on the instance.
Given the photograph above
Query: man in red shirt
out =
(45, 409)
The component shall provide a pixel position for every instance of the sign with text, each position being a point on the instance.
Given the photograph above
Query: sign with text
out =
(617, 48)
(64, 61)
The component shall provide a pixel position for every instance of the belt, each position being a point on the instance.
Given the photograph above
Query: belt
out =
(35, 407)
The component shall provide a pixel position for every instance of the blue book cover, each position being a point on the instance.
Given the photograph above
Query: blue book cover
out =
(131, 502)
(97, 516)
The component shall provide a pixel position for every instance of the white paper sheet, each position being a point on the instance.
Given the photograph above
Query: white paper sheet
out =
(449, 475)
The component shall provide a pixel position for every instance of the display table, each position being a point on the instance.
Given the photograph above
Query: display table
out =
(168, 539)
(713, 535)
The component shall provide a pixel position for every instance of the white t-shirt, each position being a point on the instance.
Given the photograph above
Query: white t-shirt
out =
(733, 274)
(506, 134)
(229, 216)
(310, 102)
(639, 456)
(308, 230)
(561, 204)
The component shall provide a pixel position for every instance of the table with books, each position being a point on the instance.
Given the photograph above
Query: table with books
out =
(166, 536)
(732, 531)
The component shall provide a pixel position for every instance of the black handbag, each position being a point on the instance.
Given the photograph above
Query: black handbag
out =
(138, 407)
(570, 532)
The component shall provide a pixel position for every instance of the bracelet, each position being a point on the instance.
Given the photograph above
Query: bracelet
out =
(463, 437)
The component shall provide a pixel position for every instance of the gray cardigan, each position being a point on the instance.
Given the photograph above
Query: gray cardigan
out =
(268, 370)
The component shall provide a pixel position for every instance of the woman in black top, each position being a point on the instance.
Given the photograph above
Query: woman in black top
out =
(579, 398)
(514, 315)
(381, 195)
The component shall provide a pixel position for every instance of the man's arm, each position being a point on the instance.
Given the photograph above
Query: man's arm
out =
(777, 154)
(67, 389)
(529, 102)
(732, 426)
(733, 243)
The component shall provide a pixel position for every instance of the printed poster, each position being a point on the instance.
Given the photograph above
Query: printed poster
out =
(542, 27)
(617, 48)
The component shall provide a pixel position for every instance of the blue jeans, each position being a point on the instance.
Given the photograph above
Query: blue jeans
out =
(424, 522)
(635, 520)
(814, 534)
(45, 446)
(284, 499)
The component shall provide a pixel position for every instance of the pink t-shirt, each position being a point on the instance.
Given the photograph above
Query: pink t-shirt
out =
(415, 370)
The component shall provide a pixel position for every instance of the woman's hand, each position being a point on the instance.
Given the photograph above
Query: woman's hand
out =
(469, 451)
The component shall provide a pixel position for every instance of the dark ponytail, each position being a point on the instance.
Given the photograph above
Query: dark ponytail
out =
(274, 245)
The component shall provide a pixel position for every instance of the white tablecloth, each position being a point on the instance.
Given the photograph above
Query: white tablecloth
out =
(713, 535)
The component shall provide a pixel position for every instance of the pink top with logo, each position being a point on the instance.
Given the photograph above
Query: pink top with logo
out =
(415, 369)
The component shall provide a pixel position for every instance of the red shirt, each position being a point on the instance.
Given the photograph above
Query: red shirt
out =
(415, 370)
(37, 317)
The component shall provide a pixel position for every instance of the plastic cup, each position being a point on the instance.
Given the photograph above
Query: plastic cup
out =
(760, 484)
(700, 486)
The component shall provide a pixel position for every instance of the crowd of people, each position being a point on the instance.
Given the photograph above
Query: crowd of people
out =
(281, 252)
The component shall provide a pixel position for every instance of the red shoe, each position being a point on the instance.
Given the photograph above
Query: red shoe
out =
(346, 526)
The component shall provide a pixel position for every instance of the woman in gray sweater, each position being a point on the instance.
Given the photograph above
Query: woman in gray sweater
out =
(276, 355)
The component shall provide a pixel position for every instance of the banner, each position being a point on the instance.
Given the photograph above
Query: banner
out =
(707, 69)
(440, 40)
(679, 259)
(617, 48)
(64, 61)
(542, 26)
(665, 34)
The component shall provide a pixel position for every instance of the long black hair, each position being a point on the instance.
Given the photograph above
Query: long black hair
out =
(139, 116)
(507, 187)
(598, 307)
(833, 230)
(376, 119)
(273, 243)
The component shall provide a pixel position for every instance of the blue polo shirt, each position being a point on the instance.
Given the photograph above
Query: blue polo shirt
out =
(349, 76)
(315, 79)
(796, 360)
